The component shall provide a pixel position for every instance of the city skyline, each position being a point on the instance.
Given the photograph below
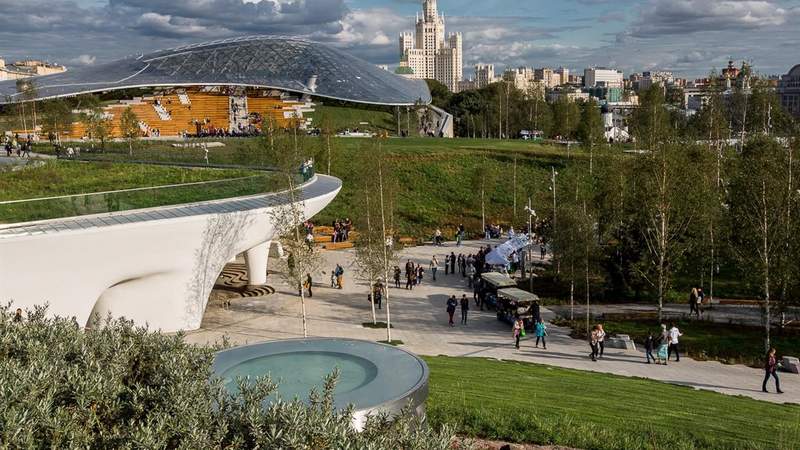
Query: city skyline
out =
(688, 37)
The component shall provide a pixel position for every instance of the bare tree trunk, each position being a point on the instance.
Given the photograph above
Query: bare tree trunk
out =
(588, 292)
(385, 252)
(369, 245)
(571, 292)
(713, 266)
(766, 260)
(515, 187)
(330, 152)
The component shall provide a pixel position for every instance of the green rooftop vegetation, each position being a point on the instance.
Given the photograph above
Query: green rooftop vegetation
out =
(57, 189)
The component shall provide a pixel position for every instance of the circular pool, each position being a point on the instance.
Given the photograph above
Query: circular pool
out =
(373, 377)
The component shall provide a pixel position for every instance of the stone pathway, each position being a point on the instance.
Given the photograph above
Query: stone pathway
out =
(420, 321)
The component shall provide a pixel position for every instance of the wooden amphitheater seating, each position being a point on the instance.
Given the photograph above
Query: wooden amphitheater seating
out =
(203, 106)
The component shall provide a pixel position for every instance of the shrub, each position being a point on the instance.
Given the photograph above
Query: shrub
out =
(121, 386)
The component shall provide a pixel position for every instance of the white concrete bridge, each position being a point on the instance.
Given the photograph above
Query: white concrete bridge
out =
(154, 266)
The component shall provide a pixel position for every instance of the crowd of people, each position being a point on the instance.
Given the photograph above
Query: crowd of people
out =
(16, 146)
(341, 230)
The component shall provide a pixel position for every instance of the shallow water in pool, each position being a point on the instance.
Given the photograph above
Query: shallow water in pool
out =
(297, 372)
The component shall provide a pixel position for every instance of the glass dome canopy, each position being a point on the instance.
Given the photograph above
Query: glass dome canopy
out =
(288, 64)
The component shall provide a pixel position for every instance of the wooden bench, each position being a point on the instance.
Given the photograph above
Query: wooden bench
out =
(338, 245)
(407, 242)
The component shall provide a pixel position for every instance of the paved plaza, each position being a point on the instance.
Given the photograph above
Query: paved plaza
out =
(420, 321)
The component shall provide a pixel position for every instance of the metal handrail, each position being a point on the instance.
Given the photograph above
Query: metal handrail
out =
(148, 188)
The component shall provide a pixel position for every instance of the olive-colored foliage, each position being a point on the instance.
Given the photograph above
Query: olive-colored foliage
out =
(119, 386)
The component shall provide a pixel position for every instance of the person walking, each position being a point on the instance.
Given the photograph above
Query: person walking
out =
(464, 309)
(663, 345)
(701, 297)
(446, 264)
(601, 339)
(693, 302)
(420, 274)
(339, 277)
(648, 348)
(593, 343)
(397, 277)
(674, 334)
(541, 332)
(451, 308)
(377, 295)
(518, 331)
(771, 368)
(453, 263)
(309, 283)
(434, 266)
(409, 281)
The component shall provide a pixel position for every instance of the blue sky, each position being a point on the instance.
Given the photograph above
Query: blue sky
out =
(689, 37)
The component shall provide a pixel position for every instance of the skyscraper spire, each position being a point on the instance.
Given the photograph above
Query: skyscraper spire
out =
(431, 13)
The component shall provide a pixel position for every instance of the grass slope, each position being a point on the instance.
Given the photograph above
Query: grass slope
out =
(437, 181)
(436, 177)
(342, 118)
(58, 178)
(522, 402)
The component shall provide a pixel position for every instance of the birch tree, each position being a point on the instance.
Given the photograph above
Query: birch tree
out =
(129, 127)
(759, 201)
(286, 152)
(664, 203)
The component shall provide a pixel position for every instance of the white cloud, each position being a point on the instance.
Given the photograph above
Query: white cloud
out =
(84, 60)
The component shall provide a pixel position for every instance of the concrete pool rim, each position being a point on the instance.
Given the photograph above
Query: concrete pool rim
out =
(415, 394)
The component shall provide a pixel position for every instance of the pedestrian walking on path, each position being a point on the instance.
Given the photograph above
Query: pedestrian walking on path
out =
(397, 277)
(693, 303)
(541, 332)
(771, 368)
(649, 343)
(434, 266)
(594, 342)
(663, 345)
(339, 277)
(464, 309)
(674, 334)
(309, 284)
(451, 308)
(601, 340)
(518, 331)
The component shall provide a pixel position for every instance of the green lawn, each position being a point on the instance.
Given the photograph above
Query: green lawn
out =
(531, 403)
(67, 178)
(343, 118)
(734, 344)
(436, 177)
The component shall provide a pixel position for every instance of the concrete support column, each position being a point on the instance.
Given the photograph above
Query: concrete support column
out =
(256, 259)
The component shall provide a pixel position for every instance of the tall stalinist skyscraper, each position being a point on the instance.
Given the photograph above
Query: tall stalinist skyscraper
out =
(428, 54)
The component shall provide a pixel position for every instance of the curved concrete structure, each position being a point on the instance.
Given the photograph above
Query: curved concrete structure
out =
(288, 64)
(154, 266)
(374, 378)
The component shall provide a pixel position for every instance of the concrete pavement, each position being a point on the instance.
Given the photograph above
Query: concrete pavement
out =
(420, 321)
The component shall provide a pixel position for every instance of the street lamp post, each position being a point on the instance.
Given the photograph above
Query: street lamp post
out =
(553, 188)
(531, 214)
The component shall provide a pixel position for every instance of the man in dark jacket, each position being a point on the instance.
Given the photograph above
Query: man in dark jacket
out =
(464, 309)
(451, 308)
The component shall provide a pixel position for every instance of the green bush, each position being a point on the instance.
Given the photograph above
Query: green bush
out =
(120, 386)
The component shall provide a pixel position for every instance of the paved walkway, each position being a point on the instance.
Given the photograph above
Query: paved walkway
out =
(420, 322)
